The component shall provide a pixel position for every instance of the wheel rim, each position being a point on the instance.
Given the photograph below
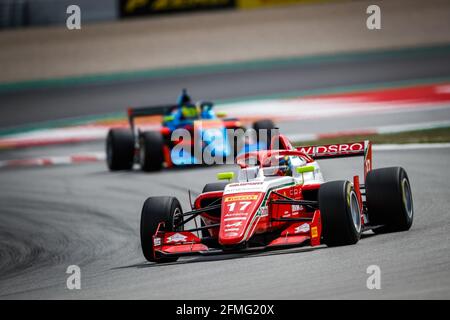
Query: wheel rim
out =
(177, 218)
(355, 211)
(407, 197)
(109, 152)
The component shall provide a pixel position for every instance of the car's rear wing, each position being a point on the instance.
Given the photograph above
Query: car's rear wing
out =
(340, 150)
(147, 112)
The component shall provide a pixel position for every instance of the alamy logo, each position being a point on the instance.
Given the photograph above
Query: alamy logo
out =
(218, 145)
(73, 21)
(74, 280)
(373, 22)
(374, 280)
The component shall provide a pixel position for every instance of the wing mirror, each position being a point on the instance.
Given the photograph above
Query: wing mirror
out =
(305, 169)
(225, 176)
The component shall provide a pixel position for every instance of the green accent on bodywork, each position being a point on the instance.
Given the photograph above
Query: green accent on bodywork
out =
(225, 175)
(305, 169)
(168, 118)
(269, 191)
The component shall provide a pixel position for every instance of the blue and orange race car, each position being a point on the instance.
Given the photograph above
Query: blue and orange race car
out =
(169, 146)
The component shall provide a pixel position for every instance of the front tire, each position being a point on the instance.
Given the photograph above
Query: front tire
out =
(120, 149)
(151, 155)
(389, 199)
(155, 211)
(340, 213)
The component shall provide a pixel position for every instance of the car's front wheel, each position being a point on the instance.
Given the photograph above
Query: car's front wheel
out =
(155, 211)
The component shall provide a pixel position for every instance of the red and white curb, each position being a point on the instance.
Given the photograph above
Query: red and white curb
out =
(101, 156)
(424, 97)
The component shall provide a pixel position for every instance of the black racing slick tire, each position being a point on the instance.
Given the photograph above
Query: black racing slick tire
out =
(264, 125)
(120, 149)
(155, 211)
(151, 156)
(340, 213)
(389, 199)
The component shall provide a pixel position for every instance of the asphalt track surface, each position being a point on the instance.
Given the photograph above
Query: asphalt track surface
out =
(55, 217)
(83, 215)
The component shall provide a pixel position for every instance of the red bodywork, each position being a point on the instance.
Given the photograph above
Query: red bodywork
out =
(254, 219)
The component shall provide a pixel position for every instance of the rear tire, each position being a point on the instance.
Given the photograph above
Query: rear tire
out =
(340, 213)
(151, 155)
(155, 211)
(267, 125)
(120, 149)
(389, 199)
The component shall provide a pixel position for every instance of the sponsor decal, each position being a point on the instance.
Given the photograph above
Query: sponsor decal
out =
(234, 219)
(231, 229)
(232, 234)
(177, 237)
(297, 207)
(244, 187)
(314, 232)
(236, 224)
(302, 228)
(241, 198)
(237, 214)
(157, 242)
(147, 7)
(263, 211)
(333, 148)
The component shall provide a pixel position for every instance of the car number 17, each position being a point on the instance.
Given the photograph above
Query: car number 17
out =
(239, 205)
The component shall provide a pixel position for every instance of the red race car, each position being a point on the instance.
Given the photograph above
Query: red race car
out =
(280, 199)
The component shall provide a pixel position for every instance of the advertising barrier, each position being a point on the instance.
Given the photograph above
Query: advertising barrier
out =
(130, 8)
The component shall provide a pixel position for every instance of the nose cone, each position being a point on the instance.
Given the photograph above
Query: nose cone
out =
(239, 217)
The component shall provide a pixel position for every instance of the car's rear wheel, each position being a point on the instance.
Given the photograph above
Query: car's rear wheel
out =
(389, 199)
(151, 156)
(120, 149)
(264, 137)
(155, 211)
(340, 213)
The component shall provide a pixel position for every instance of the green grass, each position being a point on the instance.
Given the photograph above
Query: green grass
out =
(420, 136)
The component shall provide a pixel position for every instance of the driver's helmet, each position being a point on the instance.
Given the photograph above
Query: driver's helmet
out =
(281, 166)
(285, 168)
(184, 98)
